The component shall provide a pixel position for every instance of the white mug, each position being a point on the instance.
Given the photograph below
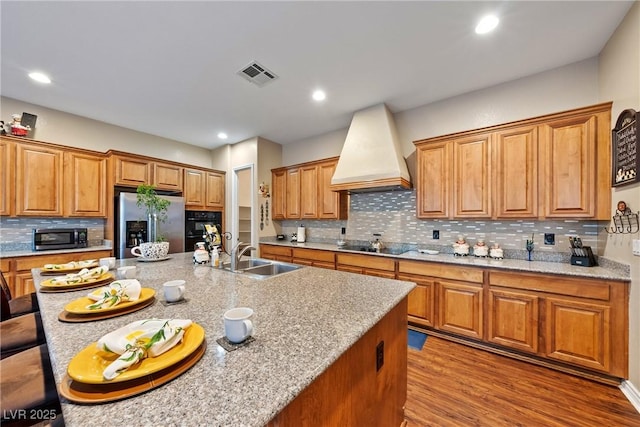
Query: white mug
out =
(108, 262)
(237, 326)
(127, 272)
(173, 290)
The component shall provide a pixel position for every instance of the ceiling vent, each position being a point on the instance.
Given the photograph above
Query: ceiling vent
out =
(257, 74)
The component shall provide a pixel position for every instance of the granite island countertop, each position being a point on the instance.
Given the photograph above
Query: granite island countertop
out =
(613, 271)
(304, 320)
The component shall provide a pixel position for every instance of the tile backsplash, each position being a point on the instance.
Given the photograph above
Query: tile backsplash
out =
(17, 233)
(393, 215)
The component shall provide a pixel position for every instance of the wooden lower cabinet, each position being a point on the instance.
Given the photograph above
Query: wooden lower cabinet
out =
(314, 258)
(512, 319)
(17, 271)
(572, 320)
(421, 300)
(371, 265)
(352, 391)
(570, 323)
(276, 253)
(579, 333)
(460, 308)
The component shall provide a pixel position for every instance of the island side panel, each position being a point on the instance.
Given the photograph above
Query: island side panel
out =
(351, 392)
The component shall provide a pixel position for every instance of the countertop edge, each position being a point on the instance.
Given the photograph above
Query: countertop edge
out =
(541, 267)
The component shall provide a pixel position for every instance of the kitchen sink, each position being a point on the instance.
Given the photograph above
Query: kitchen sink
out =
(261, 268)
(247, 263)
(272, 269)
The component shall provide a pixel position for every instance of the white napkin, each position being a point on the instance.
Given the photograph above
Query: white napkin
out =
(69, 265)
(140, 339)
(82, 276)
(115, 293)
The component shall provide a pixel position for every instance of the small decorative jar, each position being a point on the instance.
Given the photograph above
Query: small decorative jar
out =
(480, 249)
(496, 252)
(460, 247)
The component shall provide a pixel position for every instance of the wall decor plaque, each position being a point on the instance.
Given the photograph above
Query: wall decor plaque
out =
(624, 144)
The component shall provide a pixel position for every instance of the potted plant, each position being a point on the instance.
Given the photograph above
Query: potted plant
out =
(156, 209)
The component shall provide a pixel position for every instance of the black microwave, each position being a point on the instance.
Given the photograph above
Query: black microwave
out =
(59, 238)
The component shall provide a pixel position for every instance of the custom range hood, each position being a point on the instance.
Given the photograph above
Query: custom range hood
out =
(371, 159)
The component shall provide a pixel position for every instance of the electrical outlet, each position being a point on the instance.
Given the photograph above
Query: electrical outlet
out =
(549, 238)
(379, 355)
(436, 234)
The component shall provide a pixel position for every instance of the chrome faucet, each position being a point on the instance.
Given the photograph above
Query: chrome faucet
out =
(235, 255)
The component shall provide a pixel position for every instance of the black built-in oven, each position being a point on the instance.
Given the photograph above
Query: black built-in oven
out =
(194, 226)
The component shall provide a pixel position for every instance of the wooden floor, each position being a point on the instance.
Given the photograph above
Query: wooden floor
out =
(454, 385)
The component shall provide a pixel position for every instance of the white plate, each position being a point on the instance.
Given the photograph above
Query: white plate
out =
(429, 252)
(153, 259)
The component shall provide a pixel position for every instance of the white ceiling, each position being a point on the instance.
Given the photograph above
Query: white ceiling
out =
(169, 68)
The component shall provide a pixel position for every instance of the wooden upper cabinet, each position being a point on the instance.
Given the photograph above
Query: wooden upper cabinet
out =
(194, 188)
(85, 185)
(7, 177)
(516, 172)
(132, 171)
(303, 191)
(278, 193)
(292, 199)
(39, 181)
(434, 175)
(569, 159)
(203, 190)
(214, 190)
(331, 204)
(167, 176)
(308, 191)
(554, 166)
(472, 176)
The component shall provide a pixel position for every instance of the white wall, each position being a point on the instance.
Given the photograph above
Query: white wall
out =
(318, 147)
(620, 82)
(560, 89)
(269, 157)
(57, 127)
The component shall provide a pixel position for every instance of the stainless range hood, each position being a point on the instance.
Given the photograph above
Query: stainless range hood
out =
(371, 159)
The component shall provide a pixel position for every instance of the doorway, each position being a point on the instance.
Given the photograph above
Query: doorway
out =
(242, 205)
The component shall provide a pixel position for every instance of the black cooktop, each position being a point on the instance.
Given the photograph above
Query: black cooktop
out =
(361, 248)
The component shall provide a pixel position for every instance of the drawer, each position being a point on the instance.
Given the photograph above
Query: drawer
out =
(366, 261)
(313, 254)
(276, 250)
(444, 271)
(581, 287)
(5, 265)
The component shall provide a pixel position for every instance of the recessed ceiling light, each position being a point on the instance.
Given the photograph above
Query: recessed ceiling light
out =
(487, 24)
(39, 77)
(319, 95)
(222, 135)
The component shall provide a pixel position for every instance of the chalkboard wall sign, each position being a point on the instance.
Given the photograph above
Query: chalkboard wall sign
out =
(624, 143)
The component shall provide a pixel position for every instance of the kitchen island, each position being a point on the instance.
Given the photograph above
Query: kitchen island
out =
(313, 361)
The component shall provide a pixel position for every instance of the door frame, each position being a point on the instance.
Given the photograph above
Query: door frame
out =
(235, 211)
